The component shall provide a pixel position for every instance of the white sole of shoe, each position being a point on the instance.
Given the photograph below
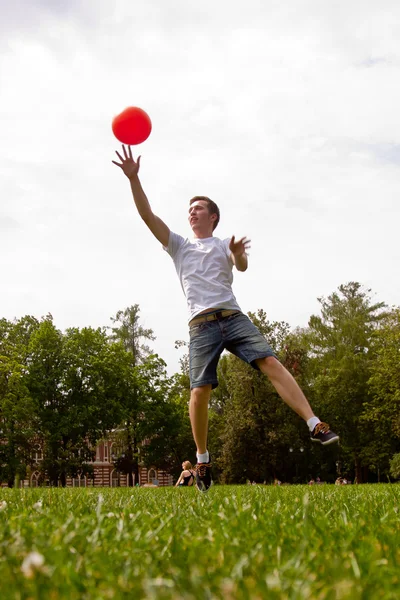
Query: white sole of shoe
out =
(205, 489)
(331, 441)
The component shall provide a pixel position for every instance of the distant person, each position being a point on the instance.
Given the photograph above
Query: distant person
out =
(186, 478)
(204, 266)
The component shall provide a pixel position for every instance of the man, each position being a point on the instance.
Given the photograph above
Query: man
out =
(204, 265)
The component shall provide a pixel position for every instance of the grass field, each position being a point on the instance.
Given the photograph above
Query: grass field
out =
(294, 542)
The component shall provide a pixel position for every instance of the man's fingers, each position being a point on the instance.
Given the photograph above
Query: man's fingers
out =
(130, 152)
(118, 165)
(138, 161)
(119, 156)
(124, 150)
(242, 242)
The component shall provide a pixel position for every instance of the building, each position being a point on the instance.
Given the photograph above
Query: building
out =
(104, 472)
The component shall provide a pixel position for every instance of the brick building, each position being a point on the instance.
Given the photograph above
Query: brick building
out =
(104, 472)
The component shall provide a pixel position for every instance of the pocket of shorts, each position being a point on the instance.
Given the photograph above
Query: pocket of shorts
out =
(231, 317)
(194, 329)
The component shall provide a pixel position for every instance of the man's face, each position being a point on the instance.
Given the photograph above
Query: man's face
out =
(199, 217)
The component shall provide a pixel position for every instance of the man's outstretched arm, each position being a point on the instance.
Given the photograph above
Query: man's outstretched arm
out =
(239, 252)
(131, 169)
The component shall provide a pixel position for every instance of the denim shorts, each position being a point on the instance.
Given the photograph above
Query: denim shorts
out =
(209, 338)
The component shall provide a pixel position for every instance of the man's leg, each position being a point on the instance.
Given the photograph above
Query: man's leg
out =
(286, 386)
(289, 390)
(198, 412)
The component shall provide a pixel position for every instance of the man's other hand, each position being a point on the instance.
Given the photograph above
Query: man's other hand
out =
(240, 247)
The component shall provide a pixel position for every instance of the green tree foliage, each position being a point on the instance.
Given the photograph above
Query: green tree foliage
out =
(71, 389)
(395, 466)
(138, 390)
(18, 423)
(382, 414)
(128, 330)
(15, 336)
(169, 437)
(75, 381)
(343, 347)
(258, 429)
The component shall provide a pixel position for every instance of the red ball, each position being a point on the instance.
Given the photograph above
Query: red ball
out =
(132, 126)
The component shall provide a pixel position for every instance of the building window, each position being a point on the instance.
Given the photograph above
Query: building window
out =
(37, 453)
(116, 451)
(105, 452)
(79, 481)
(115, 478)
(112, 451)
(152, 477)
(35, 479)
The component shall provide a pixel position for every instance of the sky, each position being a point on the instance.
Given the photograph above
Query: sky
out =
(286, 114)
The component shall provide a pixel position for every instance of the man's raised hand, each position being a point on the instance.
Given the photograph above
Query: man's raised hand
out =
(240, 247)
(127, 164)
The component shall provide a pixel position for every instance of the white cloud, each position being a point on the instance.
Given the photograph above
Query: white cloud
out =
(285, 113)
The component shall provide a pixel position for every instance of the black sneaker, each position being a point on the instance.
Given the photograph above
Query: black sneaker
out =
(322, 434)
(203, 476)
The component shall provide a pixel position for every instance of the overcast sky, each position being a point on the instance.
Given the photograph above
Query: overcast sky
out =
(286, 113)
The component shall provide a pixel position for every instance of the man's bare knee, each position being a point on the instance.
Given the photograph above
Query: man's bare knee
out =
(202, 392)
(269, 365)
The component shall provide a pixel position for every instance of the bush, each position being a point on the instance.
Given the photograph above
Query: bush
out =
(395, 466)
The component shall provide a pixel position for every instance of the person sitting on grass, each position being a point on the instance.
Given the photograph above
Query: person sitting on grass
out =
(204, 265)
(186, 478)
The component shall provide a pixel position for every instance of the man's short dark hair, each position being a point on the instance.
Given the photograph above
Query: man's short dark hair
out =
(212, 207)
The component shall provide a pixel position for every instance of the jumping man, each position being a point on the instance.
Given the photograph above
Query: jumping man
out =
(204, 265)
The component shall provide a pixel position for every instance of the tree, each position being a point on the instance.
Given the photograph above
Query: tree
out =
(18, 419)
(132, 335)
(15, 336)
(258, 427)
(395, 466)
(382, 413)
(167, 427)
(343, 349)
(75, 381)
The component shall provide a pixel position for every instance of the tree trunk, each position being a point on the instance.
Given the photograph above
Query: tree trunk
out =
(358, 470)
(134, 474)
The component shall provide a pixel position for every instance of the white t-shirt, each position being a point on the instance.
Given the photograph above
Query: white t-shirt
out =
(204, 269)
